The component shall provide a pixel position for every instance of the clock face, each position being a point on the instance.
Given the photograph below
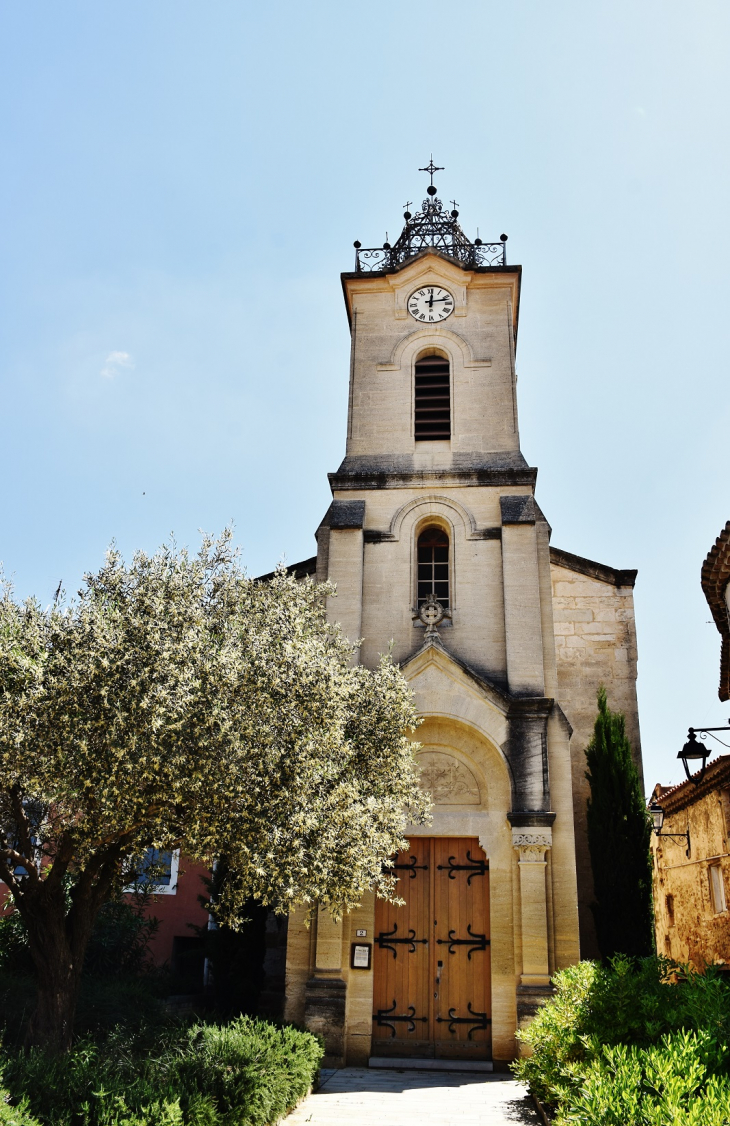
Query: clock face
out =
(432, 303)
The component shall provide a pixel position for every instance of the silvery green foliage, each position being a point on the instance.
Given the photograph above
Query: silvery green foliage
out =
(178, 703)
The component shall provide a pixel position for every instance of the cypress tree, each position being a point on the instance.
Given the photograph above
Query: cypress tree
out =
(618, 838)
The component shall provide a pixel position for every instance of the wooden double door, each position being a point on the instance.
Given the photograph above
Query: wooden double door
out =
(432, 989)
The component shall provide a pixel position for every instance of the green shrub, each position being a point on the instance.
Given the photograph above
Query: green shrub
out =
(120, 984)
(246, 1073)
(553, 1039)
(103, 1004)
(14, 1115)
(608, 1046)
(250, 1064)
(119, 943)
(668, 1085)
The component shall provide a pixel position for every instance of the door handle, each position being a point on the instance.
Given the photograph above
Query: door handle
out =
(439, 967)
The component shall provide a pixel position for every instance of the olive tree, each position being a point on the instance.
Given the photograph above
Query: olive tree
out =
(178, 703)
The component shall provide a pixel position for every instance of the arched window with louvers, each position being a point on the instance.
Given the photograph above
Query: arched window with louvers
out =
(432, 400)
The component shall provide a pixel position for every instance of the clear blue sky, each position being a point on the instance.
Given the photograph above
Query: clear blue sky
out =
(182, 186)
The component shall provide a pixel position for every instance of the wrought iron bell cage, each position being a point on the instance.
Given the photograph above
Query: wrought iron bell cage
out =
(431, 228)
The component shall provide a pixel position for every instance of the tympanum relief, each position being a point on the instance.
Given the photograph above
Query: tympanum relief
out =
(447, 780)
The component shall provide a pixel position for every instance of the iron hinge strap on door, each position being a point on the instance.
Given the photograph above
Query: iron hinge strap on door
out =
(481, 1023)
(387, 941)
(476, 942)
(474, 868)
(411, 867)
(385, 1018)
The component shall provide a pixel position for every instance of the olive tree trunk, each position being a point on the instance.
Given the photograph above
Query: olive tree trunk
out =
(58, 937)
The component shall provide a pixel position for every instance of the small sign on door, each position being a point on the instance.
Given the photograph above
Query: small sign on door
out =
(360, 955)
(361, 934)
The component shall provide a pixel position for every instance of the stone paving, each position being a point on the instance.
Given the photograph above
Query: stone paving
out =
(359, 1096)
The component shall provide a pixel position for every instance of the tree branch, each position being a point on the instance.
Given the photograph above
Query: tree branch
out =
(24, 858)
(87, 897)
(61, 860)
(8, 877)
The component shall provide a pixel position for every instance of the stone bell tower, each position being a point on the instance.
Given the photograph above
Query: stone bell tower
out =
(437, 545)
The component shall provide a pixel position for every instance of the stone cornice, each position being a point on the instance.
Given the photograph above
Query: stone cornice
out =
(534, 706)
(525, 819)
(591, 569)
(442, 478)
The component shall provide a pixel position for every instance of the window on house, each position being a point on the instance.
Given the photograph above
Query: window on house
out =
(669, 904)
(717, 889)
(433, 566)
(433, 399)
(158, 869)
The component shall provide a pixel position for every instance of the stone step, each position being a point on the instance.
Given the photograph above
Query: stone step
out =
(411, 1064)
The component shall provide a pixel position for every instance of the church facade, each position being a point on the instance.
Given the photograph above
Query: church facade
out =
(440, 551)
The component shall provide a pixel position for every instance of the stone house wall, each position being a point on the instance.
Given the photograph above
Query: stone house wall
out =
(688, 925)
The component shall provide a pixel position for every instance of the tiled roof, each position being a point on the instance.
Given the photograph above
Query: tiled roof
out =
(715, 577)
(673, 798)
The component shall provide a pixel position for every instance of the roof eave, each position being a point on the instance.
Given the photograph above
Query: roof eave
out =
(675, 798)
(715, 578)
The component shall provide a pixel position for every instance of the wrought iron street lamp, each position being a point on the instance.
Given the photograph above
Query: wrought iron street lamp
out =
(694, 751)
(657, 817)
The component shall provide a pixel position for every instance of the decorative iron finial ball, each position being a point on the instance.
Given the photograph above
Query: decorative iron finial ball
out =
(386, 246)
(357, 244)
(407, 215)
(477, 242)
(502, 238)
(454, 214)
(431, 189)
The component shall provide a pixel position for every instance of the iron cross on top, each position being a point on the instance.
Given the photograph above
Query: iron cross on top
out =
(431, 168)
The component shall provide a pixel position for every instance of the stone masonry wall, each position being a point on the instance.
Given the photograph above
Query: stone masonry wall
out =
(690, 927)
(595, 640)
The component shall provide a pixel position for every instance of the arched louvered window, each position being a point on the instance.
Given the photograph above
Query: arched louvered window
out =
(433, 399)
(433, 566)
